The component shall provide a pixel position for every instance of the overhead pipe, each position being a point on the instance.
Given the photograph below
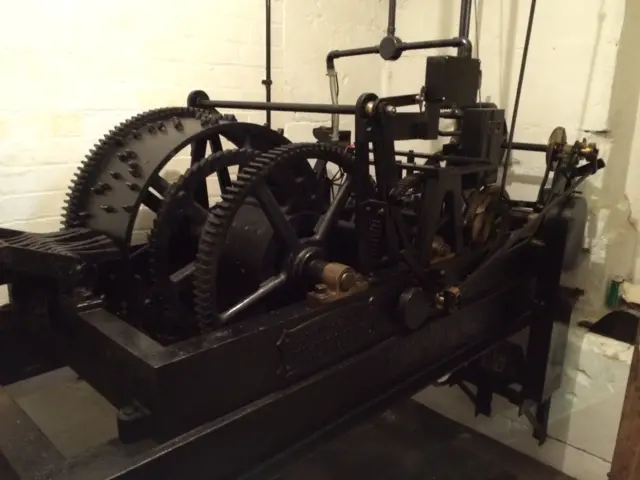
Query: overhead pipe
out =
(268, 82)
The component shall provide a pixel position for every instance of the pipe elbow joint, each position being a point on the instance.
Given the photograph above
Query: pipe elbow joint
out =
(331, 56)
(466, 47)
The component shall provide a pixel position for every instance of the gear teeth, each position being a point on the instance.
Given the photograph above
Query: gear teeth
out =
(221, 217)
(94, 162)
(165, 222)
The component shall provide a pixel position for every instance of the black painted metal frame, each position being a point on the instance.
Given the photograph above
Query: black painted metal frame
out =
(243, 410)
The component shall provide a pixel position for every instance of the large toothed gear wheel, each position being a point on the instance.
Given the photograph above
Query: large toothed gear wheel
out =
(128, 176)
(173, 240)
(123, 172)
(85, 179)
(299, 243)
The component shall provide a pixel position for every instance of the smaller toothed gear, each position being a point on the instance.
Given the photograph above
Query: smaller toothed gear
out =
(485, 216)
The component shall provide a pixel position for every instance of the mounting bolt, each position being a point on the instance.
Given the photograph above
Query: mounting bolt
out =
(321, 288)
(136, 134)
(134, 187)
(123, 156)
(391, 110)
(152, 129)
(161, 127)
(177, 123)
(108, 208)
(128, 208)
(134, 169)
(101, 188)
(131, 154)
(370, 107)
(115, 175)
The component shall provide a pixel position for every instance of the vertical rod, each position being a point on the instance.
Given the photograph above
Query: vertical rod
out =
(465, 20)
(523, 66)
(267, 82)
(391, 25)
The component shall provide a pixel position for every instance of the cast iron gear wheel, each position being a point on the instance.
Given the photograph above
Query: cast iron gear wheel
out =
(74, 212)
(128, 175)
(170, 275)
(406, 184)
(123, 172)
(484, 216)
(251, 183)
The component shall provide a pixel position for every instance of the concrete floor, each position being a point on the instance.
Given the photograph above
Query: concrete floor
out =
(66, 409)
(408, 441)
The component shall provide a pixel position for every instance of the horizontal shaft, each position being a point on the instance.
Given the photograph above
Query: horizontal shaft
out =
(279, 107)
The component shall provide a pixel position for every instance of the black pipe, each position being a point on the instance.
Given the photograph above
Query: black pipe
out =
(391, 26)
(279, 107)
(352, 52)
(527, 147)
(464, 44)
(465, 20)
(516, 105)
(267, 82)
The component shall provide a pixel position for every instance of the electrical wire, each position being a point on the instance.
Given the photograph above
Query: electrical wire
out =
(516, 105)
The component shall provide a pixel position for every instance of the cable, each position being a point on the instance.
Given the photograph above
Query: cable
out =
(523, 65)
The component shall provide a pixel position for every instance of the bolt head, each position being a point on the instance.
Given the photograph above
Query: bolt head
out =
(369, 108)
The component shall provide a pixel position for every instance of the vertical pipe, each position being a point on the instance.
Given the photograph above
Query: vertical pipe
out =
(465, 18)
(267, 82)
(391, 25)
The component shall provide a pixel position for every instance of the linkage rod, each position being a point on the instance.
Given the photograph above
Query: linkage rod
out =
(526, 147)
(516, 105)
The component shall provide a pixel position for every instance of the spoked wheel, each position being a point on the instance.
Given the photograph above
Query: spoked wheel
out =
(291, 227)
(121, 181)
(173, 240)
